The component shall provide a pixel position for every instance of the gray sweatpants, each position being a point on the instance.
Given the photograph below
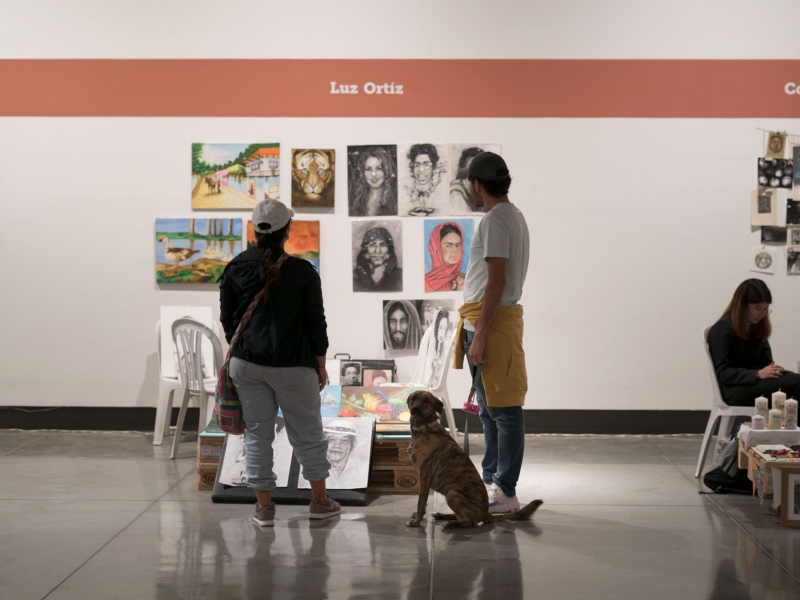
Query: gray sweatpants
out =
(295, 390)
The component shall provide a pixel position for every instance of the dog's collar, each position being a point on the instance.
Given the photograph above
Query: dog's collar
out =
(430, 425)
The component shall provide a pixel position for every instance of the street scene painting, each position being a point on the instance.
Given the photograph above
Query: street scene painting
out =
(195, 250)
(303, 240)
(234, 176)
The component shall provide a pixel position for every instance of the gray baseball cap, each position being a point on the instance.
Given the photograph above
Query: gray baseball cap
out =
(487, 166)
(271, 215)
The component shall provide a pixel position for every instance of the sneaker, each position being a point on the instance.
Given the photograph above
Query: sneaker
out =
(264, 515)
(500, 503)
(323, 510)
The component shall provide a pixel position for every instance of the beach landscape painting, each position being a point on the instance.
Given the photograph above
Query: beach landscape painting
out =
(195, 250)
(234, 176)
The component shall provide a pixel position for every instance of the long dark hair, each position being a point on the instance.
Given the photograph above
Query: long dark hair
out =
(270, 246)
(359, 189)
(750, 291)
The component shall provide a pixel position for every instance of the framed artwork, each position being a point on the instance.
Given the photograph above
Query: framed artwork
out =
(439, 345)
(773, 235)
(422, 180)
(793, 260)
(313, 178)
(350, 443)
(406, 321)
(774, 173)
(461, 200)
(377, 256)
(303, 240)
(764, 207)
(233, 464)
(792, 212)
(195, 250)
(763, 260)
(776, 144)
(385, 404)
(351, 373)
(234, 176)
(790, 497)
(372, 180)
(447, 244)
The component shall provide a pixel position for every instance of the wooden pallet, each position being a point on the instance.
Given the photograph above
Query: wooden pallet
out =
(392, 471)
(209, 453)
(206, 475)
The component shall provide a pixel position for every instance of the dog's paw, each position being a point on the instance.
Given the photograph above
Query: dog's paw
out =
(413, 523)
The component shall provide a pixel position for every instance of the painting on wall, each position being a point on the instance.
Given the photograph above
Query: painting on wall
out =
(796, 167)
(372, 180)
(776, 144)
(773, 235)
(793, 212)
(793, 261)
(764, 207)
(461, 155)
(313, 178)
(350, 443)
(406, 321)
(774, 173)
(195, 250)
(422, 180)
(386, 404)
(447, 244)
(303, 240)
(763, 260)
(793, 236)
(234, 176)
(377, 256)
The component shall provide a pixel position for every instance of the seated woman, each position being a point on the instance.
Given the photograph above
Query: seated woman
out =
(741, 353)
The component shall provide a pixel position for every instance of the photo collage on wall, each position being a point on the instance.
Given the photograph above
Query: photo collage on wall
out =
(778, 180)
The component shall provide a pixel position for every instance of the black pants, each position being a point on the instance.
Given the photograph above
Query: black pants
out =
(789, 383)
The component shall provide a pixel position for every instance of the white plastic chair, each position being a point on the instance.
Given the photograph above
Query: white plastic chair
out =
(188, 335)
(719, 410)
(166, 389)
(423, 361)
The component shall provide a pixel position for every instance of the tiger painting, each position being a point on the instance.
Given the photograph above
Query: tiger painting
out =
(313, 178)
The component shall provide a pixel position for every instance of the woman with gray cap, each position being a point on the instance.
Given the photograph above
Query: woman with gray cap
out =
(279, 360)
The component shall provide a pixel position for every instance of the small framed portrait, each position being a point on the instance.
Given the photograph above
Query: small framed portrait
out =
(776, 144)
(352, 374)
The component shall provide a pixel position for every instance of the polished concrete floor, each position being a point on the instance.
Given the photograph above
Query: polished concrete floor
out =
(108, 516)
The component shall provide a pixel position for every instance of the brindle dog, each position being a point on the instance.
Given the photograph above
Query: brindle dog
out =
(443, 467)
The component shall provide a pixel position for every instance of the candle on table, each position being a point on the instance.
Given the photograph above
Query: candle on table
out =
(762, 406)
(758, 421)
(790, 414)
(774, 419)
(779, 402)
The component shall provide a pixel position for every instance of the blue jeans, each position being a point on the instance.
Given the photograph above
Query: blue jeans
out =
(504, 433)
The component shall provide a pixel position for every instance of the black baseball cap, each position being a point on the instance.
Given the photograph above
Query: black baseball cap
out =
(487, 166)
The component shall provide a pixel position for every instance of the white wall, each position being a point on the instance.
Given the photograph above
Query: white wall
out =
(640, 228)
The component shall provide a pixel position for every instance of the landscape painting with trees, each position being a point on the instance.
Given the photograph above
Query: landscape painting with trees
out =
(234, 176)
(195, 250)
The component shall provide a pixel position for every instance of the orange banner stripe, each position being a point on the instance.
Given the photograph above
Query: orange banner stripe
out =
(401, 88)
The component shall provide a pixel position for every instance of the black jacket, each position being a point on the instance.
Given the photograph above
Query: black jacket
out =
(289, 330)
(736, 360)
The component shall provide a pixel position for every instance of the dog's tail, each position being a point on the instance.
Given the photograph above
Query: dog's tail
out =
(523, 514)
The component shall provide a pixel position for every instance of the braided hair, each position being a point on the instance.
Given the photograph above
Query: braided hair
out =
(270, 246)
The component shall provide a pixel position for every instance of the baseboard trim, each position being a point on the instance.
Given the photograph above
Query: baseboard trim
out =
(610, 422)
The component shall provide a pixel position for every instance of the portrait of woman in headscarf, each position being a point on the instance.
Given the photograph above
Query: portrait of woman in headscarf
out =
(376, 266)
(446, 249)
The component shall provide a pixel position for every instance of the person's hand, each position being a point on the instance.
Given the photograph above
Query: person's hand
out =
(322, 374)
(475, 353)
(771, 371)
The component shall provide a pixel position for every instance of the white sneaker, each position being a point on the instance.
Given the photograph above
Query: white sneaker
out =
(500, 503)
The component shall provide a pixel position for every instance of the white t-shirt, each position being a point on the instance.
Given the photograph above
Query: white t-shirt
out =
(502, 233)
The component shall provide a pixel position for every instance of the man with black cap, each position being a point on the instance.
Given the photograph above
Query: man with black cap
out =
(490, 329)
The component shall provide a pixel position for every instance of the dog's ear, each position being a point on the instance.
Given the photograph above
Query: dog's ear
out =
(439, 405)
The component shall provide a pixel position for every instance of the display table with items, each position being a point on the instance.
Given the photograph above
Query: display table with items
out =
(774, 469)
